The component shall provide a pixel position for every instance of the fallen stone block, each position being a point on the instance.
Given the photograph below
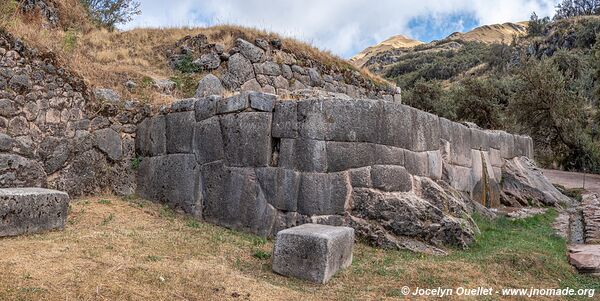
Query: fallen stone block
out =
(313, 252)
(585, 258)
(32, 210)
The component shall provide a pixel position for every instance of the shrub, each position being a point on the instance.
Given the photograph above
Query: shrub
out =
(109, 13)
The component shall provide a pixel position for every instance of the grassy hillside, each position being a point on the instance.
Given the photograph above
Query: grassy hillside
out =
(545, 84)
(131, 249)
(109, 58)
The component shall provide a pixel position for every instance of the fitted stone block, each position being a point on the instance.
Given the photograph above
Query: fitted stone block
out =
(180, 132)
(416, 164)
(247, 139)
(507, 145)
(280, 187)
(262, 101)
(173, 179)
(523, 146)
(479, 140)
(233, 104)
(434, 164)
(391, 178)
(208, 141)
(32, 210)
(361, 177)
(323, 193)
(396, 129)
(347, 155)
(313, 252)
(459, 138)
(151, 139)
(303, 155)
(425, 131)
(206, 107)
(459, 177)
(285, 120)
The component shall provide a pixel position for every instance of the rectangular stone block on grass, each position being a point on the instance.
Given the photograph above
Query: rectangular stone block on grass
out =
(32, 210)
(313, 252)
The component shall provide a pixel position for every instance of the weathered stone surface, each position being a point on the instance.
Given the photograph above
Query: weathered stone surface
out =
(209, 85)
(262, 101)
(107, 95)
(18, 126)
(458, 137)
(151, 139)
(174, 179)
(303, 155)
(180, 132)
(396, 129)
(459, 177)
(250, 51)
(267, 68)
(416, 163)
(524, 183)
(208, 61)
(479, 140)
(361, 177)
(347, 155)
(313, 252)
(206, 107)
(208, 141)
(247, 139)
(590, 211)
(251, 85)
(54, 152)
(232, 104)
(391, 178)
(183, 105)
(17, 171)
(323, 193)
(585, 258)
(285, 120)
(425, 130)
(8, 108)
(239, 71)
(434, 164)
(280, 187)
(523, 146)
(109, 142)
(31, 210)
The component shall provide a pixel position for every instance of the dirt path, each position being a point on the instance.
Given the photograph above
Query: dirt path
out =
(574, 179)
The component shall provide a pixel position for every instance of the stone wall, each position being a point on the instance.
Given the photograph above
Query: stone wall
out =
(53, 135)
(400, 176)
(268, 66)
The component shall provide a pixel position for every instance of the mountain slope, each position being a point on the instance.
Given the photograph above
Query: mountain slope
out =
(394, 42)
(496, 33)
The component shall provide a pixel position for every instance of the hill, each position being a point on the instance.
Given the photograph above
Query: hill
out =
(394, 42)
(544, 84)
(137, 63)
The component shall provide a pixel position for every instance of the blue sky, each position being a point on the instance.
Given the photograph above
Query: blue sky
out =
(343, 27)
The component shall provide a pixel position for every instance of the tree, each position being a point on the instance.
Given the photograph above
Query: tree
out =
(429, 96)
(537, 26)
(109, 13)
(573, 8)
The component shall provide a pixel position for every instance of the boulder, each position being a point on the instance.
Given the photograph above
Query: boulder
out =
(106, 95)
(391, 178)
(313, 252)
(109, 142)
(524, 183)
(209, 85)
(250, 51)
(206, 107)
(32, 210)
(585, 258)
(262, 101)
(208, 61)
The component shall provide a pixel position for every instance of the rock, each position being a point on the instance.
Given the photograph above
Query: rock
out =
(585, 258)
(233, 104)
(323, 193)
(209, 85)
(269, 68)
(590, 210)
(179, 132)
(208, 61)
(17, 171)
(206, 107)
(251, 85)
(20, 83)
(106, 95)
(6, 142)
(165, 86)
(247, 139)
(109, 142)
(151, 139)
(8, 108)
(313, 252)
(131, 85)
(249, 50)
(285, 120)
(208, 141)
(262, 101)
(315, 78)
(32, 210)
(391, 178)
(280, 187)
(54, 152)
(523, 182)
(99, 122)
(276, 43)
(262, 43)
(18, 126)
(305, 155)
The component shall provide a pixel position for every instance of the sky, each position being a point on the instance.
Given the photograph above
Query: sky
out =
(344, 27)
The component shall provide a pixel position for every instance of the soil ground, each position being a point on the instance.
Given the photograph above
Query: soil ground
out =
(574, 179)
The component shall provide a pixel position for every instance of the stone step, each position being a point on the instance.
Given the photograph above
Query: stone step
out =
(31, 210)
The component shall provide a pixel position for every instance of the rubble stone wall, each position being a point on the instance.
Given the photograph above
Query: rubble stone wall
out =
(52, 135)
(255, 163)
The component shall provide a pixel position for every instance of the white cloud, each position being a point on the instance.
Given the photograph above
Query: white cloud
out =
(342, 26)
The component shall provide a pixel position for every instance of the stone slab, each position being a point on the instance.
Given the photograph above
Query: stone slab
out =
(32, 210)
(313, 252)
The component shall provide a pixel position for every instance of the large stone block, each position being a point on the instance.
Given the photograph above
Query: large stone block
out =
(361, 177)
(109, 142)
(523, 146)
(262, 101)
(391, 178)
(206, 107)
(303, 155)
(172, 179)
(458, 137)
(507, 145)
(416, 164)
(151, 139)
(208, 141)
(242, 205)
(426, 131)
(280, 187)
(180, 132)
(233, 104)
(434, 164)
(396, 127)
(323, 193)
(347, 155)
(313, 252)
(285, 120)
(459, 177)
(247, 138)
(479, 140)
(32, 210)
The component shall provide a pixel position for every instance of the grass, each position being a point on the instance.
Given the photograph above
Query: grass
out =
(109, 59)
(152, 252)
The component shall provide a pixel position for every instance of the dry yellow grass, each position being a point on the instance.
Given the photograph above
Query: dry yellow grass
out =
(108, 59)
(116, 249)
